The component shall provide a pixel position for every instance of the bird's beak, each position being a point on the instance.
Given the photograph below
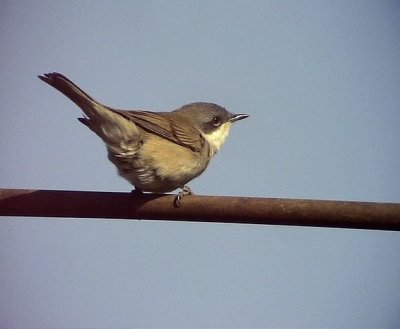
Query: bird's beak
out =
(237, 117)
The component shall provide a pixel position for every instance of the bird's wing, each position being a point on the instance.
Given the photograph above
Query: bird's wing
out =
(182, 133)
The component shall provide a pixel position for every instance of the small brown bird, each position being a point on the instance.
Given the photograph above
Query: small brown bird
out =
(155, 151)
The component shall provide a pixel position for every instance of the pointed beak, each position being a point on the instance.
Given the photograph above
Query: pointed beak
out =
(237, 117)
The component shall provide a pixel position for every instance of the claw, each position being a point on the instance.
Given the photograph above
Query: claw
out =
(185, 191)
(137, 191)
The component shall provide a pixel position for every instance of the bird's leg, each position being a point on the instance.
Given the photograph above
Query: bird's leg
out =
(185, 191)
(137, 191)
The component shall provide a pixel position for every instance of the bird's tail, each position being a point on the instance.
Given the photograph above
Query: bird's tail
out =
(108, 124)
(87, 103)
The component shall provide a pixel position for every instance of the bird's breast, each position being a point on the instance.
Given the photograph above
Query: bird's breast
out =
(161, 165)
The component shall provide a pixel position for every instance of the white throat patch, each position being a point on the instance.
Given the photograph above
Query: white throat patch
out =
(217, 138)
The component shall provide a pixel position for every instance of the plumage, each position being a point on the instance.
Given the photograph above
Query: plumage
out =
(154, 151)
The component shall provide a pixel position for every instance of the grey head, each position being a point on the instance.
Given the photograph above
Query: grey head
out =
(208, 117)
(212, 120)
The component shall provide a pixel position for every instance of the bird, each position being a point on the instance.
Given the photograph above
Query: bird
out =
(156, 152)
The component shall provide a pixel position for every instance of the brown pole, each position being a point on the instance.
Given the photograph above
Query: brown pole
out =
(218, 209)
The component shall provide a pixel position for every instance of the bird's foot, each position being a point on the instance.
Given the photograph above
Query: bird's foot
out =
(185, 191)
(137, 191)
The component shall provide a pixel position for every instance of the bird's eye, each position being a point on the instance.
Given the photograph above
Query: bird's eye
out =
(216, 121)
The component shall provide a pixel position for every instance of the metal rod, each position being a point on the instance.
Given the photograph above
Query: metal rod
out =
(218, 209)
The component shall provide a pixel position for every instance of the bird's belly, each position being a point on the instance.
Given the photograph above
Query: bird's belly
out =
(161, 166)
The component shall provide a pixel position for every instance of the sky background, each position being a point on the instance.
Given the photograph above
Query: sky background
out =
(321, 82)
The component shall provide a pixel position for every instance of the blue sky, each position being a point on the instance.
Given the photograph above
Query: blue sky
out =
(321, 82)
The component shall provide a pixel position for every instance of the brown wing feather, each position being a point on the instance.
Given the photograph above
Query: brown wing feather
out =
(182, 133)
